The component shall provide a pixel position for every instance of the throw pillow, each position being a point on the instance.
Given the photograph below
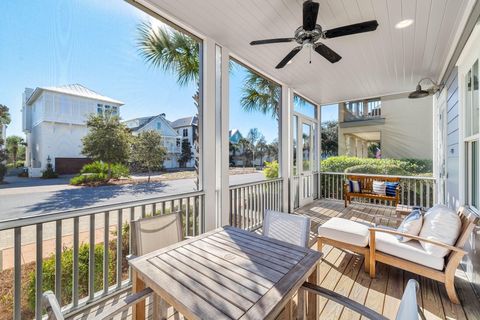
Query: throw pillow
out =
(354, 186)
(412, 224)
(391, 188)
(379, 187)
(442, 224)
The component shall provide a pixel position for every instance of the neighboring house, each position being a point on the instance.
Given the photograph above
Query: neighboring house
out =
(54, 122)
(237, 158)
(187, 128)
(171, 139)
(401, 126)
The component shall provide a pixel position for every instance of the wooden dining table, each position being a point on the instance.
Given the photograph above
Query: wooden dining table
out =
(227, 273)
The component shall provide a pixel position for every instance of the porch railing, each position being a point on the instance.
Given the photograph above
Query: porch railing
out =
(414, 191)
(249, 201)
(102, 227)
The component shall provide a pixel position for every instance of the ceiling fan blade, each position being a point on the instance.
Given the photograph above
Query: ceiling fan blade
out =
(288, 57)
(352, 29)
(327, 53)
(267, 41)
(310, 13)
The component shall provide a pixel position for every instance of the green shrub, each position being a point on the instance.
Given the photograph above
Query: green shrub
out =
(20, 164)
(407, 167)
(49, 173)
(271, 169)
(373, 169)
(3, 171)
(100, 167)
(48, 282)
(97, 172)
(89, 178)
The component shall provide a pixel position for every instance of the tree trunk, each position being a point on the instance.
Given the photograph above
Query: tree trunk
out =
(109, 176)
(149, 174)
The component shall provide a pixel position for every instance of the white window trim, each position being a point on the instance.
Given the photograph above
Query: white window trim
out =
(470, 54)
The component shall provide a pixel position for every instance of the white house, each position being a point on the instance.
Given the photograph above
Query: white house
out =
(171, 139)
(401, 126)
(187, 128)
(54, 122)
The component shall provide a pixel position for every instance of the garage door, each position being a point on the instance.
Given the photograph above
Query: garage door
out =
(70, 165)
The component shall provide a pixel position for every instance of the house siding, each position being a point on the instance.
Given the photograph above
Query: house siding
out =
(452, 144)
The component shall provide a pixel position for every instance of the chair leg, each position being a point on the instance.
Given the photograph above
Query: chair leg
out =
(372, 255)
(319, 244)
(367, 262)
(450, 286)
(346, 199)
(300, 304)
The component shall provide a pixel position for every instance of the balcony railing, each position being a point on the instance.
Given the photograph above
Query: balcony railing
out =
(249, 201)
(414, 191)
(114, 238)
(372, 110)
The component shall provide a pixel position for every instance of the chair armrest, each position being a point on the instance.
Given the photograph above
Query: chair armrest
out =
(130, 257)
(342, 300)
(377, 218)
(406, 235)
(50, 303)
(124, 304)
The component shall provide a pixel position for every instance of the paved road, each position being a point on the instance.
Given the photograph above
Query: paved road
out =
(25, 197)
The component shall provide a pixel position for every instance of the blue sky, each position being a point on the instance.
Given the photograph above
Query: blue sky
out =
(93, 42)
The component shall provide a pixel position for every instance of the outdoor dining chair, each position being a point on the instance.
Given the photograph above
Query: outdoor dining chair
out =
(148, 234)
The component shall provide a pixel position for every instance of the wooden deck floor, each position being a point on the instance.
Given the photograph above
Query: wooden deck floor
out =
(343, 272)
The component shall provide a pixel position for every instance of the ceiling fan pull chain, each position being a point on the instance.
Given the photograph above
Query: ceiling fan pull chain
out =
(310, 51)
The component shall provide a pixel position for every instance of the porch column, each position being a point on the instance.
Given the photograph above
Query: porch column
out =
(223, 65)
(208, 145)
(348, 145)
(286, 144)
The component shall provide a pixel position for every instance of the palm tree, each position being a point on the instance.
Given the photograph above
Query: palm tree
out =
(4, 115)
(178, 53)
(13, 145)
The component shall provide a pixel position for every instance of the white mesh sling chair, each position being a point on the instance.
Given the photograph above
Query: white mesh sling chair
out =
(148, 234)
(294, 229)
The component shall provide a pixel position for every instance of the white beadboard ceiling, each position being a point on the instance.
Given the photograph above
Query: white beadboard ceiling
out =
(385, 61)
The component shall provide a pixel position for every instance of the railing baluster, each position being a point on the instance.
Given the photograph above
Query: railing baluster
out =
(144, 213)
(415, 193)
(58, 260)
(163, 207)
(187, 216)
(91, 259)
(132, 217)
(39, 271)
(428, 194)
(172, 206)
(421, 195)
(75, 261)
(17, 264)
(195, 211)
(202, 213)
(106, 240)
(119, 248)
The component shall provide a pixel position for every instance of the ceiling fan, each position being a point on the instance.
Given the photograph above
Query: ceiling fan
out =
(310, 32)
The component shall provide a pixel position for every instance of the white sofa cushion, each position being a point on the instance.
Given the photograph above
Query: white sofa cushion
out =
(379, 187)
(412, 224)
(344, 230)
(442, 224)
(411, 250)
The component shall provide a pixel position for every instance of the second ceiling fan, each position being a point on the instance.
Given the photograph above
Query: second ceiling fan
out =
(310, 32)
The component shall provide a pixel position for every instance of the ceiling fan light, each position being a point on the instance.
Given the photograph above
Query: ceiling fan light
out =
(404, 23)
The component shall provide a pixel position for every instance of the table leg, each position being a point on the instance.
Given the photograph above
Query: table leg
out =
(312, 299)
(138, 310)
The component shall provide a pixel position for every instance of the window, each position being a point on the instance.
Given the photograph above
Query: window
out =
(472, 138)
(185, 133)
(178, 142)
(115, 111)
(159, 125)
(99, 108)
(254, 114)
(304, 107)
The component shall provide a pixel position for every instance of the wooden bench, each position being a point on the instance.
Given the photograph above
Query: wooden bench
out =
(367, 189)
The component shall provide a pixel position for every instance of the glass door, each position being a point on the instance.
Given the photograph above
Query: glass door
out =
(305, 156)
